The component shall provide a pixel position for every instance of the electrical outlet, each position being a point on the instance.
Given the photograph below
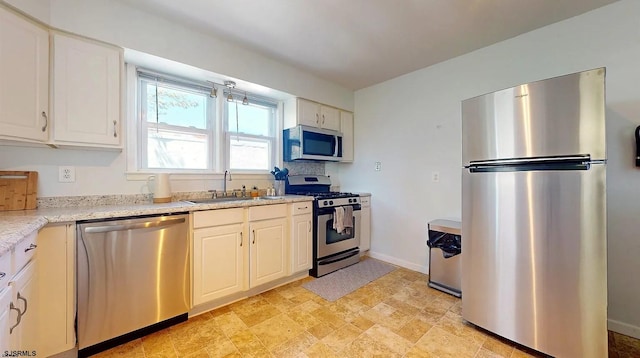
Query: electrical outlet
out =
(378, 166)
(435, 177)
(66, 174)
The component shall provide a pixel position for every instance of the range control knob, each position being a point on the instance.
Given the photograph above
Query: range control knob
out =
(330, 202)
(352, 200)
(325, 202)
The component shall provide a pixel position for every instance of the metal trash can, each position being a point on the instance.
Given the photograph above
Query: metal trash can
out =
(445, 248)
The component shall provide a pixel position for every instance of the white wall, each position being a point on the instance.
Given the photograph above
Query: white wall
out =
(100, 172)
(412, 125)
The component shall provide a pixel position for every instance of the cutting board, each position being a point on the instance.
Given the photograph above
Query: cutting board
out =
(18, 190)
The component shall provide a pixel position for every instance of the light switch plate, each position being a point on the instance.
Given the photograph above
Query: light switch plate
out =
(378, 166)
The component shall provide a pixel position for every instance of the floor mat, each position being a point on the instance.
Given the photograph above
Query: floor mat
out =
(339, 283)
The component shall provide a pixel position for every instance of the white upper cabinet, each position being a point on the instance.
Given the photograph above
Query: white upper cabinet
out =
(87, 79)
(346, 127)
(309, 113)
(24, 79)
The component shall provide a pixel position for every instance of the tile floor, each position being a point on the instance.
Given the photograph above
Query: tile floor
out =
(397, 315)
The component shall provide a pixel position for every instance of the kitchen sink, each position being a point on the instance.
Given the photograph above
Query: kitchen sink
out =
(232, 198)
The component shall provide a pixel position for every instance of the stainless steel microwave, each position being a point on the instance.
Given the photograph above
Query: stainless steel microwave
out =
(310, 143)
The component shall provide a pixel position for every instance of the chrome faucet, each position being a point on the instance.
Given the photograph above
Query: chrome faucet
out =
(224, 183)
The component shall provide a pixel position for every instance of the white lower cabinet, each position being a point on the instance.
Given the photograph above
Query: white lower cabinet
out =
(365, 224)
(268, 251)
(56, 262)
(5, 322)
(220, 254)
(219, 262)
(301, 237)
(23, 311)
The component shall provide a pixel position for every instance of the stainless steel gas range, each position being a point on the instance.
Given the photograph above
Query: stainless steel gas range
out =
(335, 242)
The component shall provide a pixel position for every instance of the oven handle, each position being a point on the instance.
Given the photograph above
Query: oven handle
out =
(340, 257)
(331, 210)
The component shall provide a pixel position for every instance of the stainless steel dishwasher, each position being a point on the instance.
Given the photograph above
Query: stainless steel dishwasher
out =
(133, 278)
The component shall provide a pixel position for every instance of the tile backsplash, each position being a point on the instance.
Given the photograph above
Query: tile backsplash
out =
(297, 168)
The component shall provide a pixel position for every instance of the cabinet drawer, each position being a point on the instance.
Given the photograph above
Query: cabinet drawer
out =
(5, 269)
(365, 201)
(267, 212)
(24, 251)
(217, 217)
(301, 208)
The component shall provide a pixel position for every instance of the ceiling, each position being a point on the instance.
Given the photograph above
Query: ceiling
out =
(358, 43)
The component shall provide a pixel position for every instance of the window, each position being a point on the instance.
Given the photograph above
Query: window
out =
(180, 128)
(250, 134)
(176, 124)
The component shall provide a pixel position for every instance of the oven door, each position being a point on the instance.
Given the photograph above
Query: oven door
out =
(330, 241)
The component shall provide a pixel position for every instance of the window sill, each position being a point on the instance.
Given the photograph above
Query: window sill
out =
(143, 176)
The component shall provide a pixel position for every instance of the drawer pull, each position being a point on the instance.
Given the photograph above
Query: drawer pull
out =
(300, 208)
(12, 307)
(31, 247)
(25, 304)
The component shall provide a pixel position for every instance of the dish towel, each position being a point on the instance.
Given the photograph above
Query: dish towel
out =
(338, 219)
(347, 222)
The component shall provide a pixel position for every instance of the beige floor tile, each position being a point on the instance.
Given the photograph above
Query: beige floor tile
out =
(296, 346)
(485, 353)
(362, 323)
(259, 315)
(276, 330)
(413, 330)
(444, 344)
(195, 335)
(454, 324)
(321, 350)
(390, 339)
(365, 346)
(229, 323)
(158, 344)
(325, 315)
(340, 338)
(248, 343)
(416, 352)
(304, 319)
(320, 330)
(387, 316)
(223, 348)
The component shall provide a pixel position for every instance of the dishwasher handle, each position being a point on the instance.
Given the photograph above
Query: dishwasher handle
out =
(142, 225)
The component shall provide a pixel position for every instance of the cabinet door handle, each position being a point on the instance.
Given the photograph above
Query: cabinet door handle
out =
(323, 119)
(254, 236)
(46, 121)
(31, 247)
(25, 304)
(317, 118)
(18, 319)
(115, 129)
(241, 239)
(309, 224)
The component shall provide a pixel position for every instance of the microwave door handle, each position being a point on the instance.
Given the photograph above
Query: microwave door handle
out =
(335, 146)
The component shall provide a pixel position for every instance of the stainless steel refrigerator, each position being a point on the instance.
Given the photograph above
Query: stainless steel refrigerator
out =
(534, 214)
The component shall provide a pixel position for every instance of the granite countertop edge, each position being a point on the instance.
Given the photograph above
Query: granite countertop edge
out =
(16, 225)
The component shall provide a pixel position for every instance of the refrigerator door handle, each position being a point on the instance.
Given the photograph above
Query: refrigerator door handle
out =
(533, 160)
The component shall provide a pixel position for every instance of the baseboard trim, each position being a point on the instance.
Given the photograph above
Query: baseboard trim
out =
(623, 328)
(399, 262)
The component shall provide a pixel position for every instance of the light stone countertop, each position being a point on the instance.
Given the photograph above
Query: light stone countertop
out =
(15, 225)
